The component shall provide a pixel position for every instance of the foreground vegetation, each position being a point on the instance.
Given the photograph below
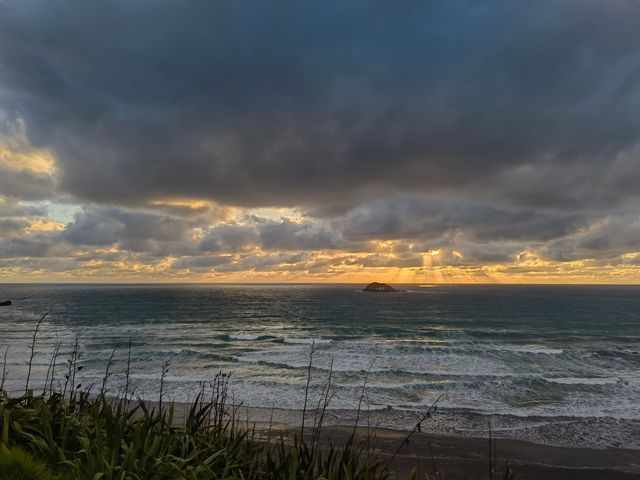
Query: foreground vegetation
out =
(55, 437)
(65, 433)
(80, 437)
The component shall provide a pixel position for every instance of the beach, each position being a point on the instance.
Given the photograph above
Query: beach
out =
(540, 370)
(460, 458)
(453, 456)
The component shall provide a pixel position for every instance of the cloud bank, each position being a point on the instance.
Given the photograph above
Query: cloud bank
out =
(464, 140)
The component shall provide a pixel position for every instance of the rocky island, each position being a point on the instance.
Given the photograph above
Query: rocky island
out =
(379, 287)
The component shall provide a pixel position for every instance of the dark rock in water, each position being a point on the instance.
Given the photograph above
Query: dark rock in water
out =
(379, 287)
(6, 303)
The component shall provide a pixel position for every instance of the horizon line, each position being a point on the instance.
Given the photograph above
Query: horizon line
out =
(430, 284)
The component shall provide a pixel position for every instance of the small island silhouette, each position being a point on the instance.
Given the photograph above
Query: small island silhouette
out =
(379, 287)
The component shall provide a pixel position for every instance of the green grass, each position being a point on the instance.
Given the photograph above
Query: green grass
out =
(16, 464)
(84, 438)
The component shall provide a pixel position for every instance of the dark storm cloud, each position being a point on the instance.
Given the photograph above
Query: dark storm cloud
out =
(288, 235)
(103, 226)
(10, 226)
(230, 238)
(180, 210)
(423, 218)
(273, 235)
(325, 104)
(25, 184)
(42, 245)
(606, 238)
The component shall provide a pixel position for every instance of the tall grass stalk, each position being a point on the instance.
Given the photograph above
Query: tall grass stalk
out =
(127, 375)
(51, 368)
(107, 372)
(33, 350)
(306, 388)
(416, 428)
(163, 375)
(4, 369)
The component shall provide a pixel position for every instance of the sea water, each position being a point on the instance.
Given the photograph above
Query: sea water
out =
(554, 364)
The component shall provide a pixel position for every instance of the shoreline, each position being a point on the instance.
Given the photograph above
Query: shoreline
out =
(458, 457)
(578, 432)
(589, 433)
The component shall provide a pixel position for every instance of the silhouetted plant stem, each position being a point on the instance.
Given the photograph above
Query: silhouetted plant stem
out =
(326, 398)
(4, 369)
(56, 354)
(165, 371)
(306, 389)
(417, 428)
(363, 391)
(127, 375)
(33, 350)
(107, 373)
(51, 369)
(70, 376)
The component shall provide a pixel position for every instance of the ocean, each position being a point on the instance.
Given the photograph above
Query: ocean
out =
(552, 364)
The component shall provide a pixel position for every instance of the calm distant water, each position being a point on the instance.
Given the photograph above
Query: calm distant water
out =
(551, 360)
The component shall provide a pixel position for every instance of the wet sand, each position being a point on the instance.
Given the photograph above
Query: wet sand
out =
(460, 458)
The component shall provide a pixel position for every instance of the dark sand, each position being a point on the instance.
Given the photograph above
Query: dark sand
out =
(460, 458)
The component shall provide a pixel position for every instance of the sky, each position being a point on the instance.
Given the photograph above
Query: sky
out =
(338, 141)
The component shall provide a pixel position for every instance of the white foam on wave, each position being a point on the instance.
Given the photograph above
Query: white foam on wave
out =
(537, 349)
(583, 380)
(244, 337)
(306, 341)
(418, 363)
